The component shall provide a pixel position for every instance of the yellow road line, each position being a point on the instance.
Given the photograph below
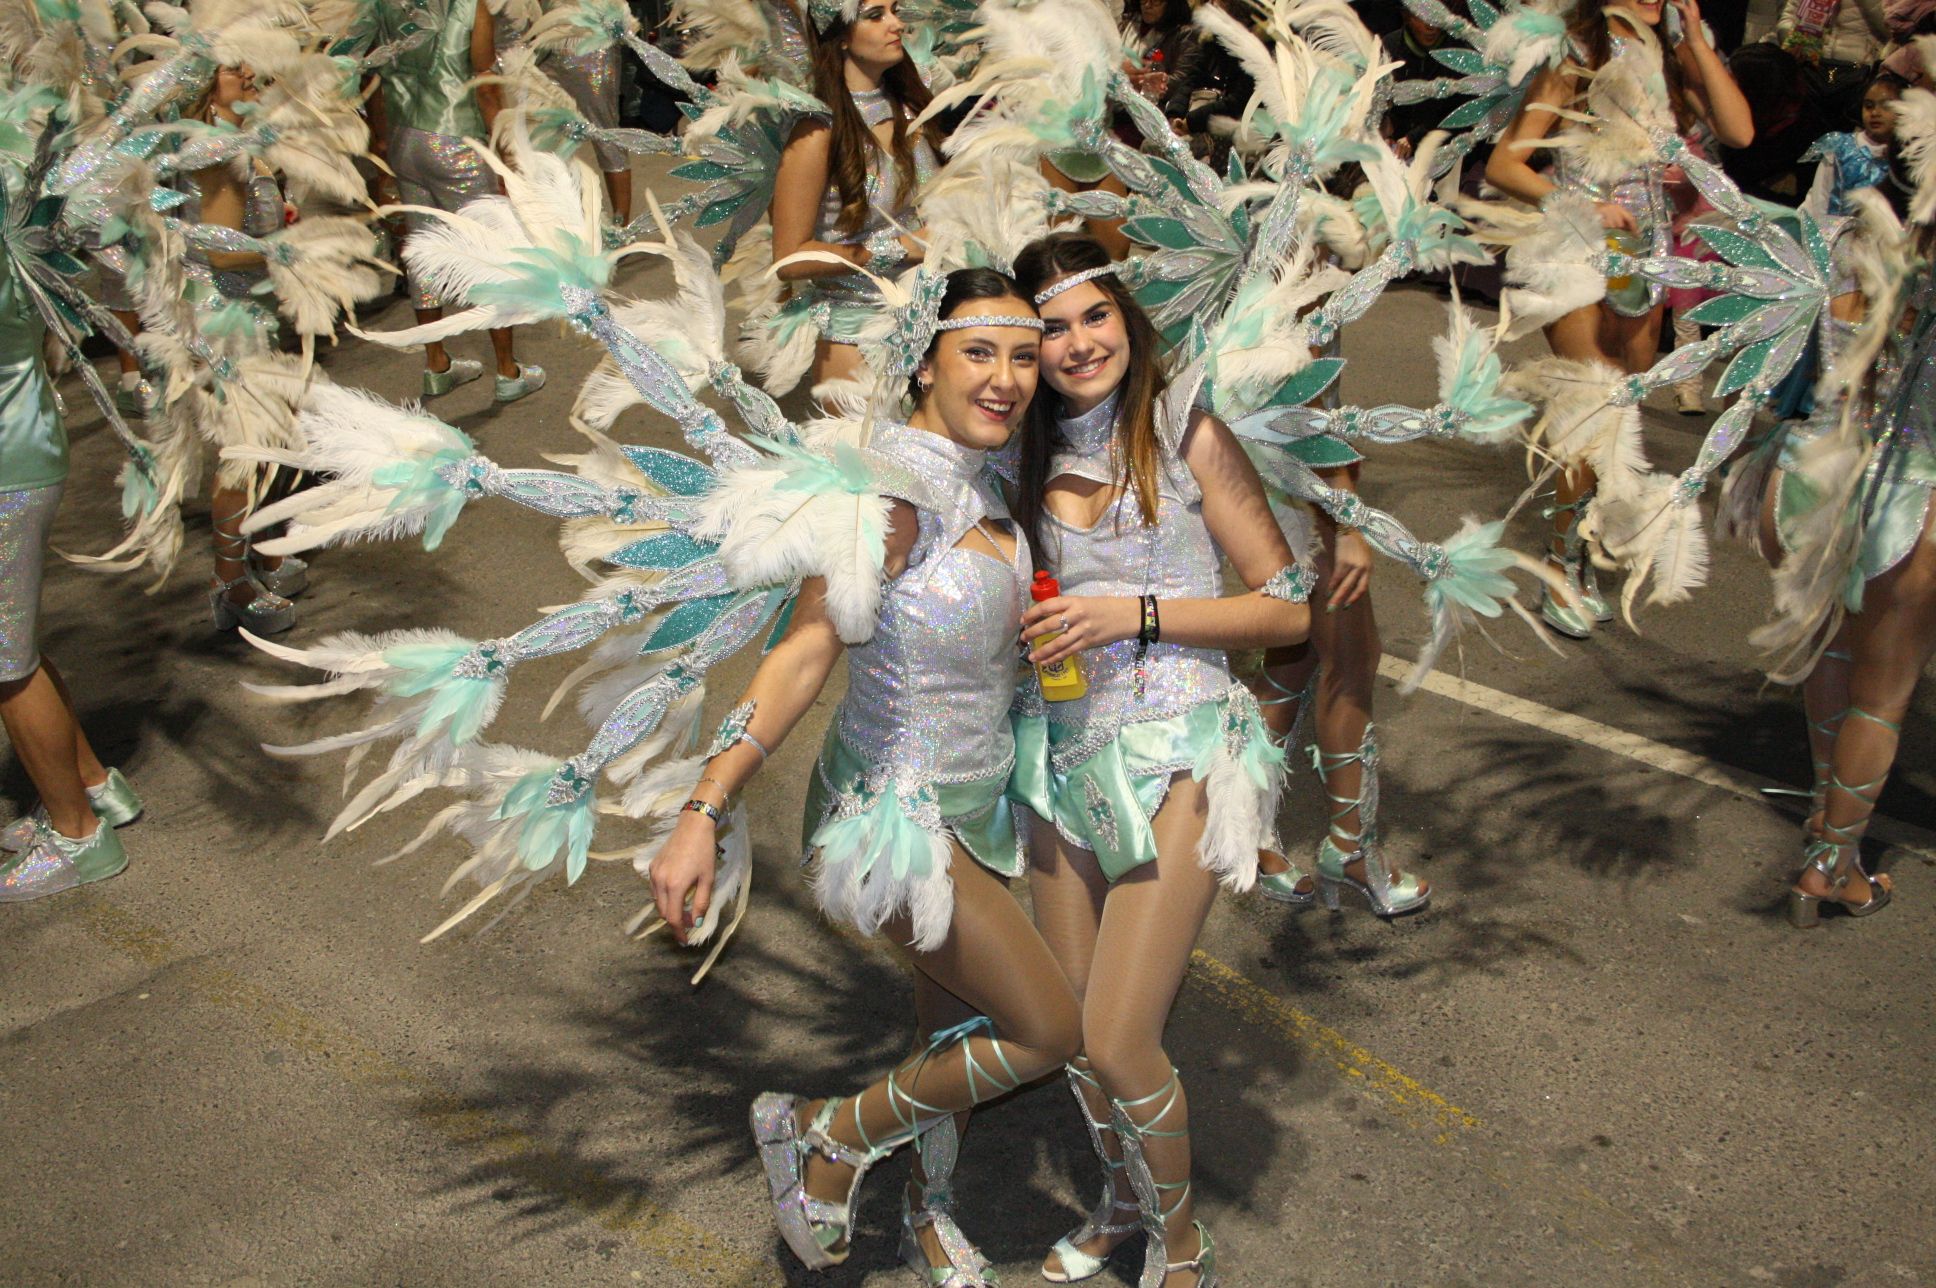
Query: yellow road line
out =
(1398, 1091)
(489, 1138)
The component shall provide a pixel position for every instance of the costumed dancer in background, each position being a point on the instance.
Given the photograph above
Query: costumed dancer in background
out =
(844, 191)
(1607, 184)
(1844, 515)
(69, 838)
(1163, 779)
(591, 73)
(423, 112)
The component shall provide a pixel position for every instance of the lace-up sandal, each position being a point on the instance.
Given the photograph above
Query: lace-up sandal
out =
(815, 1229)
(1074, 1264)
(1574, 620)
(267, 614)
(964, 1266)
(1293, 885)
(1151, 1194)
(1386, 895)
(1836, 855)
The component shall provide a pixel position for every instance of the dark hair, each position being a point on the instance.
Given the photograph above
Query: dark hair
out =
(1136, 452)
(1176, 13)
(1889, 79)
(965, 286)
(853, 142)
(1590, 36)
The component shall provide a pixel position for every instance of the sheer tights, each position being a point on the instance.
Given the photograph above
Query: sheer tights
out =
(1125, 948)
(994, 968)
(1887, 644)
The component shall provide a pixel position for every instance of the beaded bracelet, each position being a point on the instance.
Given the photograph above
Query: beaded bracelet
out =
(1152, 629)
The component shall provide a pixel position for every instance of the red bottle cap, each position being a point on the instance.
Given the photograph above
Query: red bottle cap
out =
(1044, 587)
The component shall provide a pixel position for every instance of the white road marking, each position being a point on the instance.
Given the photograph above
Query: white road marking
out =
(1655, 755)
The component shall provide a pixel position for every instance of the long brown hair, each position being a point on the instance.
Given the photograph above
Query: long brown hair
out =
(1136, 455)
(1591, 36)
(853, 142)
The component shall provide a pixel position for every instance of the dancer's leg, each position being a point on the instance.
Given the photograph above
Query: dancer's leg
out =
(935, 1010)
(45, 736)
(1149, 927)
(93, 773)
(996, 963)
(618, 187)
(1576, 336)
(1891, 641)
(503, 348)
(1068, 889)
(1283, 691)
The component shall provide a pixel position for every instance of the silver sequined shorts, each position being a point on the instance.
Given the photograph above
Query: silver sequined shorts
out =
(26, 517)
(439, 171)
(592, 81)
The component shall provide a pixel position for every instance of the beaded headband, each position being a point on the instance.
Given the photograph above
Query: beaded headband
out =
(914, 324)
(991, 319)
(1072, 281)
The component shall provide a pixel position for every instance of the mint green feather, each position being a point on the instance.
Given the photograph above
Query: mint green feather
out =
(808, 471)
(1473, 575)
(541, 274)
(883, 831)
(545, 829)
(459, 704)
(1483, 416)
(418, 485)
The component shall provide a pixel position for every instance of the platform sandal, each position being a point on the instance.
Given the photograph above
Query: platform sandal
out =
(1074, 1264)
(964, 1266)
(1386, 895)
(1152, 1193)
(1293, 885)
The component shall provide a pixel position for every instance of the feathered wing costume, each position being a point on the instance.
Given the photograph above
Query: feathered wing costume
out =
(692, 559)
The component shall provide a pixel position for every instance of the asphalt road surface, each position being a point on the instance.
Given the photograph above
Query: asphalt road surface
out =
(1600, 1058)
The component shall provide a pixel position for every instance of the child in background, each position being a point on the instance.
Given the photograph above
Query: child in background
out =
(1853, 161)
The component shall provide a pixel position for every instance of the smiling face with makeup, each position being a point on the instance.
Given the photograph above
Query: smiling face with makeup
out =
(976, 383)
(1085, 347)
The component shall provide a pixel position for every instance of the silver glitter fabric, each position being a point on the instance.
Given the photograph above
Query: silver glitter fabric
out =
(592, 81)
(26, 517)
(883, 178)
(440, 171)
(928, 695)
(1174, 558)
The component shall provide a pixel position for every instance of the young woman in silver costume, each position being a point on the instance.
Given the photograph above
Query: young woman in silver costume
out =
(846, 182)
(907, 820)
(1622, 330)
(1162, 779)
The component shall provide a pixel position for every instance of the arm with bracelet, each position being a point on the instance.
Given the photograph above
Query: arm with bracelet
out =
(787, 683)
(1239, 518)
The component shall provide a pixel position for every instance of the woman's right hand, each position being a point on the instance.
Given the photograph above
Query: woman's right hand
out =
(683, 871)
(1615, 217)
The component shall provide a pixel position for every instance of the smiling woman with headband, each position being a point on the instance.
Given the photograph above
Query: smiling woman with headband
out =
(847, 180)
(1163, 779)
(908, 828)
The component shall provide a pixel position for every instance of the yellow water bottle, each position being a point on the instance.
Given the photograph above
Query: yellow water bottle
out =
(1061, 681)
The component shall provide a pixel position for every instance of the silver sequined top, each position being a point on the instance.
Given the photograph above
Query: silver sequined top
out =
(1176, 558)
(928, 695)
(883, 179)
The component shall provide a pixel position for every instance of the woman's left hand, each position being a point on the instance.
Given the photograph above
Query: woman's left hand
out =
(1350, 570)
(1691, 29)
(1085, 621)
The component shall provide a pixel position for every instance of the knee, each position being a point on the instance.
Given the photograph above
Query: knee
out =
(1059, 1039)
(1117, 1056)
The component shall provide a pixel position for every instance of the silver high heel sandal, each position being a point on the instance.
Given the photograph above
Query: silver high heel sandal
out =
(267, 614)
(965, 1267)
(1823, 854)
(289, 578)
(1383, 894)
(816, 1230)
(1076, 1264)
(1157, 1266)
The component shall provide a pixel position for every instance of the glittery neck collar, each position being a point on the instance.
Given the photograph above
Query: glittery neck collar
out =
(1091, 432)
(935, 457)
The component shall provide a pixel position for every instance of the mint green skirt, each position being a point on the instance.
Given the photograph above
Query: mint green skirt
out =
(1106, 803)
